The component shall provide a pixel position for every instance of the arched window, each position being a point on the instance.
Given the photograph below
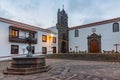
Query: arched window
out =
(116, 27)
(76, 33)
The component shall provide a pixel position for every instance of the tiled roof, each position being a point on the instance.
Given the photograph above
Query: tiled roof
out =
(23, 25)
(96, 23)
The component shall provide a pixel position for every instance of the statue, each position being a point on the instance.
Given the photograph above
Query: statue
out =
(29, 47)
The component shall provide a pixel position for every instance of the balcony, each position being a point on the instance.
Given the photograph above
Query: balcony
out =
(21, 39)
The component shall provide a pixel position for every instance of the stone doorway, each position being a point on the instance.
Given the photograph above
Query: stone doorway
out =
(63, 47)
(94, 43)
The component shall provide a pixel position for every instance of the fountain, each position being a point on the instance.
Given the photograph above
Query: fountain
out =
(29, 64)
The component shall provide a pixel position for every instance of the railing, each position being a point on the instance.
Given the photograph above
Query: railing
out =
(21, 39)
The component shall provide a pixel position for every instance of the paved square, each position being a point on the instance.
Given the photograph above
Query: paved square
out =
(70, 70)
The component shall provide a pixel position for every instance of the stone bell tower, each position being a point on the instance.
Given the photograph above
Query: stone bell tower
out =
(62, 26)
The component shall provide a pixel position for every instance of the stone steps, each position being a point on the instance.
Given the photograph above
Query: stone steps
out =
(25, 71)
(27, 65)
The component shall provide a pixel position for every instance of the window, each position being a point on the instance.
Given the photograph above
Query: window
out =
(76, 33)
(15, 33)
(54, 39)
(116, 27)
(44, 50)
(44, 38)
(14, 49)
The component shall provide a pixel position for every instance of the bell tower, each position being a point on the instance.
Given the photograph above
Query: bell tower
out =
(62, 26)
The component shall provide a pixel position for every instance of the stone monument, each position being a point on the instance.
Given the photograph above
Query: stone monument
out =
(29, 47)
(29, 64)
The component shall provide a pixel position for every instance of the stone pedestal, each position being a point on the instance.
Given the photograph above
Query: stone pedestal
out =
(27, 65)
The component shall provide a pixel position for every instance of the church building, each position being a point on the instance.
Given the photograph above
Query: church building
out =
(96, 37)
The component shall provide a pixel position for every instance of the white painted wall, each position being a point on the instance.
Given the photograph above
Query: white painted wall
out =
(5, 45)
(49, 44)
(55, 30)
(4, 37)
(108, 39)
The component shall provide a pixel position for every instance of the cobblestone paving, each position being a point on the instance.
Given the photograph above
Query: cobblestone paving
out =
(72, 70)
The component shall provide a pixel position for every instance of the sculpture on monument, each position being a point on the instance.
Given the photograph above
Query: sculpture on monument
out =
(29, 47)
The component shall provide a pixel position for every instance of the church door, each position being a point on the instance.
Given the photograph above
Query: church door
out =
(94, 43)
(94, 46)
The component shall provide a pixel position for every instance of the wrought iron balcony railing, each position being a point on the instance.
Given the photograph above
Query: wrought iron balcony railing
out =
(21, 39)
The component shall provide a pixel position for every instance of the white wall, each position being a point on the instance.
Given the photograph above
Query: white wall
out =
(5, 45)
(4, 37)
(55, 30)
(49, 44)
(108, 39)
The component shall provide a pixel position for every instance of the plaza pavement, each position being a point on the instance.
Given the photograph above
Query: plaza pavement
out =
(70, 70)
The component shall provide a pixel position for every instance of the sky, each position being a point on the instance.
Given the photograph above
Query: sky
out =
(43, 13)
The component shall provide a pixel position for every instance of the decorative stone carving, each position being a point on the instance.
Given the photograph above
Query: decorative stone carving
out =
(94, 43)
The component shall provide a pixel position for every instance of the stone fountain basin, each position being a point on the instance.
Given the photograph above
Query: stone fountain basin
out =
(27, 65)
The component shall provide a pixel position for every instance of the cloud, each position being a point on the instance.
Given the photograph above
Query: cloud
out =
(43, 13)
(87, 11)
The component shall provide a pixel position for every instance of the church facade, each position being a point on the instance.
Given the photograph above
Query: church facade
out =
(96, 37)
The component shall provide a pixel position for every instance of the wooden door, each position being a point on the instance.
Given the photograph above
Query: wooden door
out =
(94, 46)
(54, 49)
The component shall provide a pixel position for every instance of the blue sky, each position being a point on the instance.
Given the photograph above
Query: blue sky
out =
(43, 13)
